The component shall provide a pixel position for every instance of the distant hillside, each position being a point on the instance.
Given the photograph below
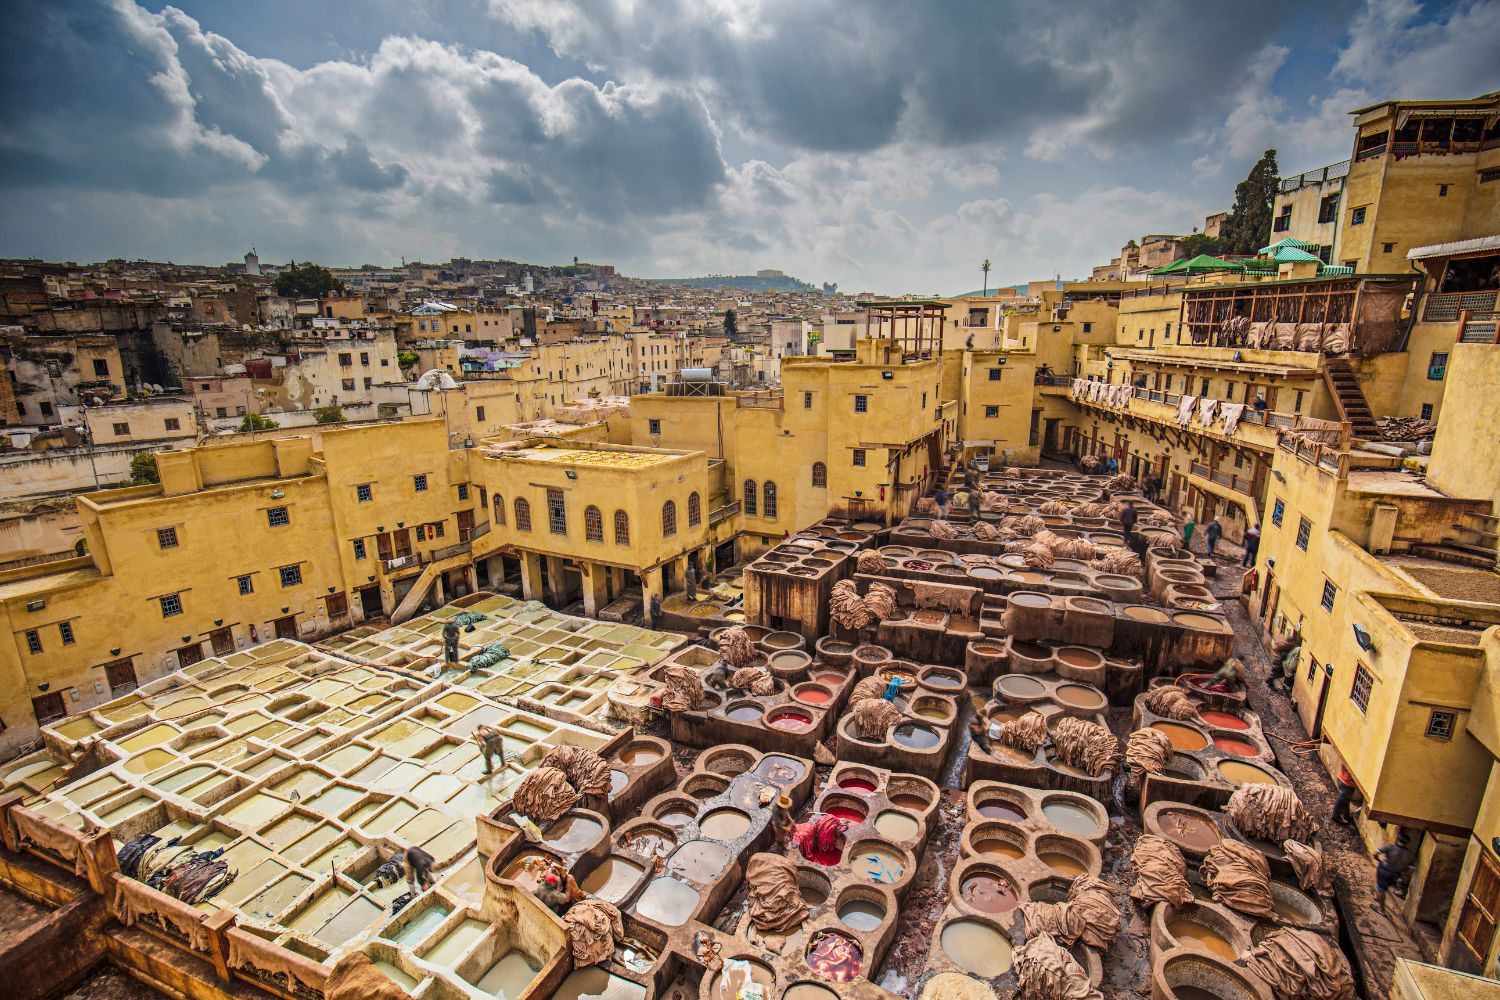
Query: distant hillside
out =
(743, 282)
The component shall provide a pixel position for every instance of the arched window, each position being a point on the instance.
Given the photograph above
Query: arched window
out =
(820, 476)
(768, 498)
(499, 509)
(750, 497)
(668, 519)
(695, 510)
(622, 528)
(523, 514)
(593, 524)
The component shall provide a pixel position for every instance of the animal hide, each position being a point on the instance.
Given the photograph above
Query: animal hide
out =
(544, 795)
(1147, 751)
(1270, 812)
(1301, 964)
(587, 772)
(736, 646)
(872, 717)
(1171, 702)
(754, 680)
(682, 689)
(1045, 971)
(942, 529)
(869, 561)
(594, 927)
(1085, 745)
(776, 903)
(1160, 872)
(1239, 877)
(1027, 733)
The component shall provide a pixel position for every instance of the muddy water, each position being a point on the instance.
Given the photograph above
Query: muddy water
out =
(1020, 686)
(1190, 829)
(1070, 818)
(893, 824)
(1002, 810)
(999, 848)
(572, 833)
(594, 983)
(976, 947)
(1240, 773)
(916, 737)
(453, 944)
(668, 901)
(1060, 862)
(1238, 747)
(613, 879)
(640, 756)
(699, 861)
(988, 894)
(508, 977)
(745, 713)
(861, 914)
(724, 824)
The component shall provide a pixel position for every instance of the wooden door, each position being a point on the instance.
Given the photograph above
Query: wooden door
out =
(190, 654)
(403, 542)
(465, 525)
(369, 602)
(121, 676)
(1476, 922)
(383, 545)
(286, 628)
(48, 707)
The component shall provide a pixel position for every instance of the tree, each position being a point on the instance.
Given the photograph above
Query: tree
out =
(306, 281)
(731, 325)
(256, 422)
(143, 469)
(329, 414)
(1198, 243)
(1248, 227)
(406, 359)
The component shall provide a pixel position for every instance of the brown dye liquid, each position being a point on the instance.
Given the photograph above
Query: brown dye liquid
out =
(1189, 932)
(1241, 773)
(1079, 657)
(1182, 737)
(906, 800)
(988, 894)
(999, 848)
(1064, 863)
(1001, 810)
(1186, 828)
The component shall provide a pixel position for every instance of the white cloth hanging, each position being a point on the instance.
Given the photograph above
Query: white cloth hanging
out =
(1232, 414)
(1185, 409)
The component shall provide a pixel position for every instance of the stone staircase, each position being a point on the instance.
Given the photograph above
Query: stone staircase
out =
(1473, 542)
(1348, 398)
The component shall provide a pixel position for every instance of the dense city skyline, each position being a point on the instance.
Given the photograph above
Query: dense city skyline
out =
(885, 149)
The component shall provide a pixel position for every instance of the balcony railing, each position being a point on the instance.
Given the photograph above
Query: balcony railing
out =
(1329, 173)
(1445, 307)
(723, 513)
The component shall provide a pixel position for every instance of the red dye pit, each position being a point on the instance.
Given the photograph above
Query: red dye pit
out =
(1224, 720)
(789, 721)
(814, 696)
(858, 786)
(1240, 748)
(1001, 810)
(844, 812)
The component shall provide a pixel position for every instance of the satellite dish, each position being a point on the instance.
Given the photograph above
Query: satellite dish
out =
(436, 378)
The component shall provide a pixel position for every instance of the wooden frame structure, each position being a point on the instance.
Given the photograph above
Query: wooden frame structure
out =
(917, 325)
(1370, 306)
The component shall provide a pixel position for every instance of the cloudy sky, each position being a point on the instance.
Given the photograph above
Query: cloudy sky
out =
(888, 145)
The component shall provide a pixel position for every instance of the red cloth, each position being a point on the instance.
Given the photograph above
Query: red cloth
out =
(822, 837)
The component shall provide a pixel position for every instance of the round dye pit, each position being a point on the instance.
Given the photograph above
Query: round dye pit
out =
(1070, 817)
(995, 847)
(705, 786)
(894, 824)
(1020, 686)
(648, 843)
(1142, 614)
(724, 824)
(744, 712)
(1240, 773)
(1082, 697)
(1183, 737)
(846, 808)
(783, 640)
(830, 680)
(812, 694)
(1202, 623)
(778, 770)
(1064, 864)
(789, 720)
(877, 864)
(521, 868)
(976, 947)
(943, 680)
(1236, 746)
(1001, 809)
(677, 814)
(617, 782)
(813, 887)
(908, 800)
(931, 709)
(835, 956)
(1198, 833)
(572, 833)
(1027, 599)
(640, 756)
(862, 915)
(1192, 934)
(809, 991)
(1077, 656)
(859, 786)
(988, 893)
(916, 737)
(1223, 720)
(699, 861)
(668, 901)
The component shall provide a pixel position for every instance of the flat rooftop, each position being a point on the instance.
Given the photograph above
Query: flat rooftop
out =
(588, 456)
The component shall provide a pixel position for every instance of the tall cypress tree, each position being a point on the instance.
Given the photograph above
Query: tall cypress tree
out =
(1249, 226)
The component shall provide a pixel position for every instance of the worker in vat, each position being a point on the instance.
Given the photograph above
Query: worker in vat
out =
(450, 642)
(1228, 679)
(418, 864)
(491, 744)
(1128, 517)
(940, 497)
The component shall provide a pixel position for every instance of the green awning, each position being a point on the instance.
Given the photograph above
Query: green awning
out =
(1293, 244)
(1201, 264)
(1292, 255)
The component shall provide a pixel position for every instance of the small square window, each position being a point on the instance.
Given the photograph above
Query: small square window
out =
(1437, 366)
(463, 491)
(859, 456)
(1442, 190)
(172, 424)
(121, 430)
(653, 427)
(1359, 692)
(1426, 411)
(359, 548)
(101, 368)
(419, 483)
(995, 374)
(277, 517)
(347, 384)
(807, 400)
(861, 404)
(171, 605)
(1357, 217)
(1387, 247)
(65, 630)
(1441, 723)
(1330, 594)
(245, 584)
(364, 492)
(479, 414)
(166, 538)
(1304, 533)
(33, 641)
(1278, 511)
(290, 575)
(421, 532)
(437, 529)
(992, 411)
(1088, 328)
